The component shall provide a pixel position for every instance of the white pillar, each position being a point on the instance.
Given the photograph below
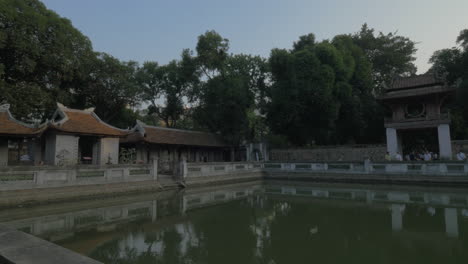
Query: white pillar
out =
(451, 222)
(397, 216)
(445, 143)
(155, 169)
(3, 152)
(392, 141)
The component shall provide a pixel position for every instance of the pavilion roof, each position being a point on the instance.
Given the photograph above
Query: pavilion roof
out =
(417, 81)
(170, 136)
(419, 85)
(83, 122)
(12, 127)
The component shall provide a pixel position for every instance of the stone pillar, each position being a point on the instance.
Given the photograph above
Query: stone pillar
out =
(232, 154)
(96, 153)
(451, 222)
(397, 216)
(183, 169)
(392, 141)
(3, 152)
(155, 169)
(445, 143)
(37, 151)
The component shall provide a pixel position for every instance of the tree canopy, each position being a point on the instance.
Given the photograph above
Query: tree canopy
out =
(317, 92)
(452, 64)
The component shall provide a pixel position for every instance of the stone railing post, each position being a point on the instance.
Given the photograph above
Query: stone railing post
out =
(367, 166)
(183, 169)
(155, 169)
(40, 177)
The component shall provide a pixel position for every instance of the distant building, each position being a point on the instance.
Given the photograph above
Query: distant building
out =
(81, 137)
(418, 112)
(17, 139)
(172, 145)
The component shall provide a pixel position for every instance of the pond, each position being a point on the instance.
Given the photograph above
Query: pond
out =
(272, 223)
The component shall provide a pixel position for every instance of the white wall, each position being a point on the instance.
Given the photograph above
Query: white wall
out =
(109, 149)
(66, 145)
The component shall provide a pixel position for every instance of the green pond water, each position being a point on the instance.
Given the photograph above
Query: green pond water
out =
(268, 223)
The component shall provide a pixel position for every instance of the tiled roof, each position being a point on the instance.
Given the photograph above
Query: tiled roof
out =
(415, 82)
(13, 127)
(85, 122)
(162, 135)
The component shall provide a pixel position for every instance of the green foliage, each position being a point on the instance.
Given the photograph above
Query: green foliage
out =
(107, 84)
(391, 55)
(39, 50)
(232, 87)
(322, 93)
(168, 83)
(316, 93)
(212, 52)
(451, 64)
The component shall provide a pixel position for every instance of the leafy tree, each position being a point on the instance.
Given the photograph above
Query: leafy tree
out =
(391, 55)
(212, 51)
(168, 84)
(302, 106)
(109, 85)
(39, 50)
(451, 64)
(226, 101)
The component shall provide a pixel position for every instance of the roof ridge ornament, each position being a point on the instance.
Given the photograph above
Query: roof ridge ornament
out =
(4, 107)
(89, 110)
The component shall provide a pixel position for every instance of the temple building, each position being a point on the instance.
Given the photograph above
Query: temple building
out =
(172, 145)
(80, 137)
(19, 142)
(419, 119)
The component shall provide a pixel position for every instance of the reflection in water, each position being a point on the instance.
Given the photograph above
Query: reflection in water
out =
(271, 223)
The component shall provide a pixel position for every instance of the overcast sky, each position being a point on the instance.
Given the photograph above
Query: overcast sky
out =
(157, 30)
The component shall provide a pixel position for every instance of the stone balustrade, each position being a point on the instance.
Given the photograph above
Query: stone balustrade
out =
(192, 170)
(400, 168)
(30, 177)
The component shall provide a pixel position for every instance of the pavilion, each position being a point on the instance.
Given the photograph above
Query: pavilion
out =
(80, 137)
(18, 139)
(172, 145)
(419, 116)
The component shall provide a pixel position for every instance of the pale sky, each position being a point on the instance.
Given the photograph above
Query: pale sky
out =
(155, 30)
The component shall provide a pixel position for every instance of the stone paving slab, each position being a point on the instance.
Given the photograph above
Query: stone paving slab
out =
(22, 248)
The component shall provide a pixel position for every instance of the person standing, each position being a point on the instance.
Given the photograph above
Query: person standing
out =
(398, 157)
(461, 156)
(388, 157)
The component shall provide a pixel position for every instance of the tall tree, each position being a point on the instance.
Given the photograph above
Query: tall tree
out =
(164, 87)
(39, 50)
(452, 64)
(302, 105)
(109, 85)
(391, 55)
(226, 101)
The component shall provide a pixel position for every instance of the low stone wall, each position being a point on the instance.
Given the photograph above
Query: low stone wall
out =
(19, 247)
(388, 172)
(220, 172)
(325, 154)
(32, 177)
